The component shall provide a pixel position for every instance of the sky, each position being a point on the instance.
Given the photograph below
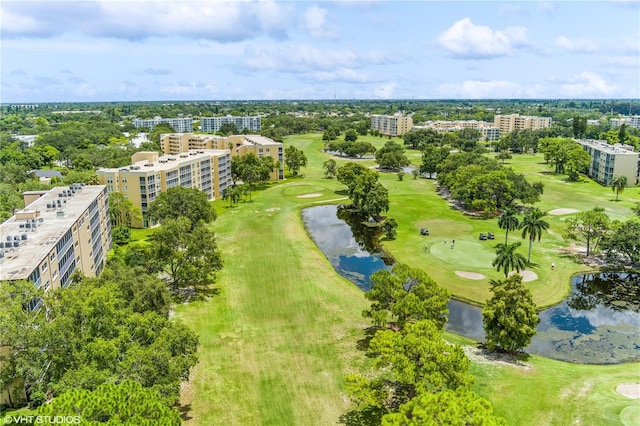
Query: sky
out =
(105, 50)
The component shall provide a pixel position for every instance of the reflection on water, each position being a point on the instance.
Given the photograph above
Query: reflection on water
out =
(599, 323)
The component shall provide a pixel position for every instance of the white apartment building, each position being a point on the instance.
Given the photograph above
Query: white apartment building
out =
(633, 121)
(213, 124)
(489, 131)
(180, 125)
(608, 161)
(511, 122)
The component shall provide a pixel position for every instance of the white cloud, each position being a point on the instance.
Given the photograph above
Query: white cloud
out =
(304, 58)
(466, 40)
(224, 21)
(578, 45)
(385, 91)
(191, 89)
(623, 61)
(491, 89)
(343, 75)
(84, 90)
(314, 21)
(586, 85)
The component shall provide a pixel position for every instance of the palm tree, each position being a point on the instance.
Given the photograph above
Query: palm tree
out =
(617, 184)
(533, 225)
(507, 259)
(508, 221)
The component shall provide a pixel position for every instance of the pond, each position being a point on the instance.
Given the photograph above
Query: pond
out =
(598, 323)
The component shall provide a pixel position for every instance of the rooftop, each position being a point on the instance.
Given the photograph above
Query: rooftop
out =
(605, 147)
(167, 162)
(39, 227)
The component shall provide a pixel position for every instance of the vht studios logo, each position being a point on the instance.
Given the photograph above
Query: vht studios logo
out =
(42, 420)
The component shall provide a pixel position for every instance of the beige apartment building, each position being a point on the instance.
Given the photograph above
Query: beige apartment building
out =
(237, 145)
(608, 161)
(489, 131)
(511, 122)
(151, 174)
(391, 125)
(59, 231)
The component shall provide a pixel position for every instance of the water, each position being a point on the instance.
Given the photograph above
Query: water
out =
(598, 323)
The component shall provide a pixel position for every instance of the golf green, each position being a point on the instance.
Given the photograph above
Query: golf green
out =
(464, 254)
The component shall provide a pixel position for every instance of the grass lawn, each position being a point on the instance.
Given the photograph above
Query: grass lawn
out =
(279, 337)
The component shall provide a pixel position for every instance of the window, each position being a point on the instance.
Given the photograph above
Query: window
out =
(53, 256)
(47, 285)
(55, 274)
(45, 265)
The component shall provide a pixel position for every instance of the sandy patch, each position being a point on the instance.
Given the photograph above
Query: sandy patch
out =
(272, 209)
(630, 390)
(470, 275)
(526, 275)
(559, 212)
(312, 195)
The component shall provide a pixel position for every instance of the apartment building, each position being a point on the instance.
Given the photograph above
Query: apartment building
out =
(151, 174)
(488, 130)
(237, 145)
(608, 161)
(58, 232)
(391, 125)
(633, 121)
(178, 124)
(511, 122)
(213, 124)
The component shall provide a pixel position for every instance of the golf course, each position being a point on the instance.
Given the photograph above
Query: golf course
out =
(283, 329)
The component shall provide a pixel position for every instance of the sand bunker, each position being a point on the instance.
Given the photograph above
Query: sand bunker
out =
(526, 275)
(470, 275)
(558, 212)
(630, 390)
(312, 195)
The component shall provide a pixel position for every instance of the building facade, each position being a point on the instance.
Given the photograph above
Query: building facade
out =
(237, 145)
(178, 124)
(608, 161)
(511, 122)
(213, 124)
(488, 130)
(391, 125)
(633, 121)
(151, 174)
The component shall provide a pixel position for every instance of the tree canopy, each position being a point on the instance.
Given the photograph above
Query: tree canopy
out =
(510, 317)
(589, 226)
(176, 202)
(391, 156)
(294, 158)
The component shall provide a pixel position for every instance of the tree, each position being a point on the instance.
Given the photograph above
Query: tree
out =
(636, 209)
(510, 317)
(121, 210)
(431, 158)
(590, 226)
(412, 361)
(294, 159)
(390, 226)
(508, 221)
(617, 184)
(400, 175)
(459, 407)
(577, 160)
(391, 156)
(376, 201)
(125, 403)
(358, 149)
(408, 295)
(624, 240)
(579, 126)
(507, 259)
(415, 173)
(330, 168)
(533, 225)
(232, 193)
(351, 135)
(178, 202)
(251, 169)
(228, 129)
(188, 255)
(121, 234)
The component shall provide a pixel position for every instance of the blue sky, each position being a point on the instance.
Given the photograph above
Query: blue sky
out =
(104, 50)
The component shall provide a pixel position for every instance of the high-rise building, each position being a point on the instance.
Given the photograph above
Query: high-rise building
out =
(59, 231)
(488, 130)
(238, 145)
(391, 125)
(511, 122)
(179, 125)
(151, 174)
(213, 124)
(608, 161)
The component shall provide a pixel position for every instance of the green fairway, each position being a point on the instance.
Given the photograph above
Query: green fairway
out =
(283, 330)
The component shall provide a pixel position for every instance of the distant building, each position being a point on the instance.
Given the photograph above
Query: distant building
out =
(151, 174)
(511, 122)
(213, 124)
(45, 176)
(489, 131)
(608, 161)
(179, 125)
(633, 121)
(391, 125)
(260, 146)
